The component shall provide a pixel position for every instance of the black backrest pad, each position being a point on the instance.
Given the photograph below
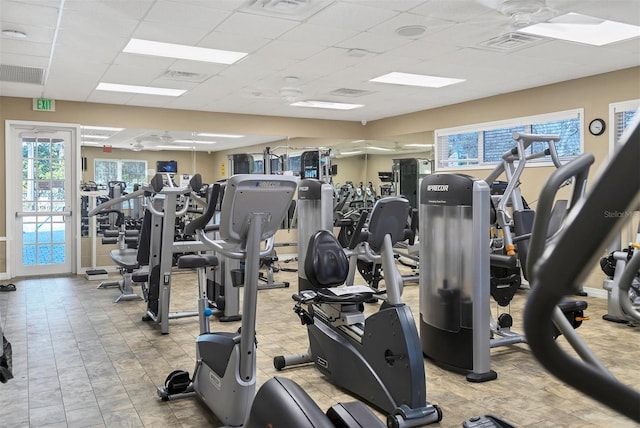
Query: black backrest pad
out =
(201, 222)
(326, 264)
(389, 217)
(144, 240)
(523, 223)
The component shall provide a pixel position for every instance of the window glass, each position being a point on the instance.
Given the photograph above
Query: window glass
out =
(130, 171)
(482, 145)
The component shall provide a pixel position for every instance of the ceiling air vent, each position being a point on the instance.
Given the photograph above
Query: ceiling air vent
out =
(347, 92)
(184, 76)
(20, 74)
(509, 42)
(293, 9)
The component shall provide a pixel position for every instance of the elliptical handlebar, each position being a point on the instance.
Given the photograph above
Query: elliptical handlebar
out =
(102, 208)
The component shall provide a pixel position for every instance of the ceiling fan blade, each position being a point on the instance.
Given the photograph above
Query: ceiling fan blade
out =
(491, 4)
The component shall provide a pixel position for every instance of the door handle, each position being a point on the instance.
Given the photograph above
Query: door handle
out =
(41, 213)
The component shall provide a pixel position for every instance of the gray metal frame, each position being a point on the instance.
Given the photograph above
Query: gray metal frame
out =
(162, 248)
(512, 165)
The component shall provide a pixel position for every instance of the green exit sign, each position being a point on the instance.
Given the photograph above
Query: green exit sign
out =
(44, 104)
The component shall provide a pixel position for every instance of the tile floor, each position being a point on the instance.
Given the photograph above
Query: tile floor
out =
(82, 361)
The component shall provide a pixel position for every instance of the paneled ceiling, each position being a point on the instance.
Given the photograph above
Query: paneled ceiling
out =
(301, 49)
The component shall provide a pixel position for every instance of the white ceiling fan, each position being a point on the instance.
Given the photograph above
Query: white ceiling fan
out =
(289, 93)
(137, 146)
(521, 13)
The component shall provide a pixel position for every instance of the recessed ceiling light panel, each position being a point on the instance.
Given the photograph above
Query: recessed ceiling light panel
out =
(102, 128)
(214, 135)
(326, 104)
(194, 141)
(172, 50)
(148, 90)
(409, 79)
(575, 27)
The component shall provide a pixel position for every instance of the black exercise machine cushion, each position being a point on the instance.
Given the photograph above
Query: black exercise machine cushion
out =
(326, 264)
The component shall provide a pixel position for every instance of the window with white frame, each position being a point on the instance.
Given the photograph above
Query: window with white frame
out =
(482, 145)
(130, 171)
(620, 116)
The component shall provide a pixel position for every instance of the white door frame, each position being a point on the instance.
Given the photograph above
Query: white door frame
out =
(12, 152)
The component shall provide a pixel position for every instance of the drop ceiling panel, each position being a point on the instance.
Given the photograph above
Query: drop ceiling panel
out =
(290, 50)
(107, 97)
(573, 53)
(203, 68)
(217, 4)
(318, 34)
(57, 89)
(259, 60)
(402, 5)
(10, 46)
(93, 21)
(24, 60)
(424, 50)
(23, 90)
(351, 16)
(38, 15)
(185, 15)
(83, 48)
(457, 10)
(35, 34)
(234, 42)
(150, 100)
(431, 25)
(373, 43)
(184, 35)
(141, 63)
(332, 60)
(115, 9)
(462, 37)
(261, 26)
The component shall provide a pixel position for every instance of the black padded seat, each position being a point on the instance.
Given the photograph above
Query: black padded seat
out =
(568, 305)
(140, 275)
(197, 261)
(326, 264)
(125, 258)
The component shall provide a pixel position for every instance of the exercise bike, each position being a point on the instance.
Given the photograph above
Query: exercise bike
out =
(380, 359)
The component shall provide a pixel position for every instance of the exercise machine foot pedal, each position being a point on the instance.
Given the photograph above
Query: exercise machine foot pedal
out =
(353, 414)
(486, 421)
(177, 382)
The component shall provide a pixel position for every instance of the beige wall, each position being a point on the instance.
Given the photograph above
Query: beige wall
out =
(593, 94)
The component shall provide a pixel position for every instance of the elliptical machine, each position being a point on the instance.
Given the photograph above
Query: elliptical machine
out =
(380, 359)
(224, 377)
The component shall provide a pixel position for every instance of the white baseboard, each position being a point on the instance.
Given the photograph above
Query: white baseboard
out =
(596, 292)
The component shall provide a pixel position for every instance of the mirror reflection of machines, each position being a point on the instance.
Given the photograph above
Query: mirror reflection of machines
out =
(387, 188)
(407, 174)
(316, 164)
(241, 163)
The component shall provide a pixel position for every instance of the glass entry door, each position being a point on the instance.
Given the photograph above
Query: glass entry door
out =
(43, 233)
